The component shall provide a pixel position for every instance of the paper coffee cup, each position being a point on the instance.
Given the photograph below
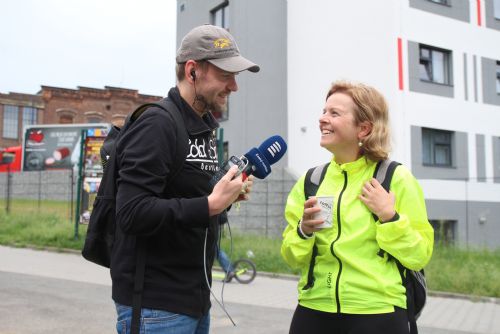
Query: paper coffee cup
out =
(325, 203)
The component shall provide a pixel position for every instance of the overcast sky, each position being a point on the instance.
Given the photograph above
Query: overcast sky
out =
(90, 43)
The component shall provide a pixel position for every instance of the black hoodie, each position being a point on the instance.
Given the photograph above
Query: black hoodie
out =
(173, 221)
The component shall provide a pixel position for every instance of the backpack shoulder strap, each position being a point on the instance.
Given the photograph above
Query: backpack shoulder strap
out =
(181, 131)
(313, 179)
(180, 155)
(384, 171)
(182, 135)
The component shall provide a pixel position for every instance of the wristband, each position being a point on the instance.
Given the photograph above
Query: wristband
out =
(301, 233)
(393, 219)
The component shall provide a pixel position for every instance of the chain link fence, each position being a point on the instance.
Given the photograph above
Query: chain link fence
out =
(39, 192)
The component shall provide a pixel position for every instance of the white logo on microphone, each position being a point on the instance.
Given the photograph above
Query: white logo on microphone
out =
(274, 149)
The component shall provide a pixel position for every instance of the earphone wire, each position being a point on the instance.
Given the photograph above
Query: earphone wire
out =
(198, 98)
(221, 304)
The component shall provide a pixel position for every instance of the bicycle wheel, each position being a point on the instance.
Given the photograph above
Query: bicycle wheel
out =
(244, 271)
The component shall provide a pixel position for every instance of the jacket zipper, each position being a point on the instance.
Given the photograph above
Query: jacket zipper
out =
(337, 298)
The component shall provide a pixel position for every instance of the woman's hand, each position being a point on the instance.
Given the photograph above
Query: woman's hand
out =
(378, 200)
(308, 224)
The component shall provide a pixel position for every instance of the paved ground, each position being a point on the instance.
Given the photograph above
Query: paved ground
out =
(46, 292)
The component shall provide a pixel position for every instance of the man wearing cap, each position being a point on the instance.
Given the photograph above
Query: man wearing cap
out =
(177, 222)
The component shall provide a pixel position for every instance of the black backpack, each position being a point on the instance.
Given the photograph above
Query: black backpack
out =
(414, 281)
(101, 228)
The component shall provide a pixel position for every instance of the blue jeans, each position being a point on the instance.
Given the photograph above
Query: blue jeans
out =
(224, 261)
(161, 322)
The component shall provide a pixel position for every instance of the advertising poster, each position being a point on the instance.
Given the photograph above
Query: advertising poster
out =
(92, 170)
(49, 147)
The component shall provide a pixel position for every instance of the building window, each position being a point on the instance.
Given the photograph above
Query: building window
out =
(118, 120)
(66, 116)
(496, 9)
(437, 147)
(94, 117)
(10, 121)
(441, 2)
(435, 65)
(498, 76)
(444, 231)
(65, 119)
(220, 15)
(30, 116)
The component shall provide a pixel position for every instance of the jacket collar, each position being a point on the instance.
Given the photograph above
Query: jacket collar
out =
(353, 166)
(194, 123)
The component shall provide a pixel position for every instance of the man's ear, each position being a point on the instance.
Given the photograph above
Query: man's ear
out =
(365, 128)
(189, 70)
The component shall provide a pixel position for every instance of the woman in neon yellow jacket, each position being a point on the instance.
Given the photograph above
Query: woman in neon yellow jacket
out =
(348, 285)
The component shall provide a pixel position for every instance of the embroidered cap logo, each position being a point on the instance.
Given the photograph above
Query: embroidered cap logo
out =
(222, 43)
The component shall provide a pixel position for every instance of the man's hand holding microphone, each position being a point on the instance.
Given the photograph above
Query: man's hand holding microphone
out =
(237, 182)
(231, 188)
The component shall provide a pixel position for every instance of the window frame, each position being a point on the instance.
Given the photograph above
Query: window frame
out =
(445, 231)
(30, 116)
(223, 9)
(429, 61)
(441, 2)
(10, 125)
(436, 144)
(496, 9)
(498, 76)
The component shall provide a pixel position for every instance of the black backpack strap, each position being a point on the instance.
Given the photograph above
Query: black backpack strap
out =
(384, 171)
(409, 284)
(180, 156)
(182, 137)
(181, 131)
(140, 269)
(312, 180)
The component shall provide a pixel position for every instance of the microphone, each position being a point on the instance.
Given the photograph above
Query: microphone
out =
(257, 161)
(260, 159)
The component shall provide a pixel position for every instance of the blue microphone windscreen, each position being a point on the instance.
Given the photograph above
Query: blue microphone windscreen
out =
(260, 166)
(273, 148)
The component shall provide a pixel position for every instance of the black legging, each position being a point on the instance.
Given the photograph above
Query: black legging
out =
(308, 321)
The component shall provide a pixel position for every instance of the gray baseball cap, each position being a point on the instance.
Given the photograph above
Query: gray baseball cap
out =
(215, 45)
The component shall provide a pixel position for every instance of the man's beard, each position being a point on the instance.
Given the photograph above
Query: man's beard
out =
(201, 103)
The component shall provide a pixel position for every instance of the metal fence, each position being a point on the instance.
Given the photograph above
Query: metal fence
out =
(41, 191)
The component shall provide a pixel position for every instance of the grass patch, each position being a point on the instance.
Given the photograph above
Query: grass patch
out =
(40, 230)
(471, 272)
(60, 209)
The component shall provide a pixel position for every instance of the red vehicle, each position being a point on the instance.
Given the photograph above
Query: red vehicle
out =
(10, 157)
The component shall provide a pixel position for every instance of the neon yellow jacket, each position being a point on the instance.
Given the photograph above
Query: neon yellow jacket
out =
(349, 276)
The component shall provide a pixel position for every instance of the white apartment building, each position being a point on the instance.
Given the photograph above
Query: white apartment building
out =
(436, 61)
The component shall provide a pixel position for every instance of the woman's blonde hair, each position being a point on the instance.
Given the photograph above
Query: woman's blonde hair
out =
(371, 107)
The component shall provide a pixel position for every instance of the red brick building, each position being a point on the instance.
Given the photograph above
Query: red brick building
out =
(54, 105)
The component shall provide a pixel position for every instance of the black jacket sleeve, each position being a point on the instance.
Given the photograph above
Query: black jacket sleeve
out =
(146, 155)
